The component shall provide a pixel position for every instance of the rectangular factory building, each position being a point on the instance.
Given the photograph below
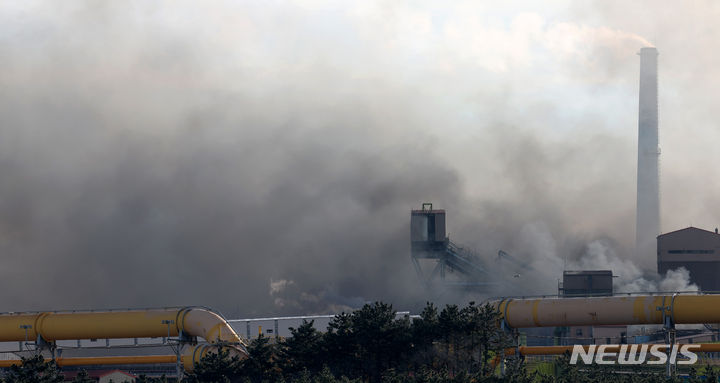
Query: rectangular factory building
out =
(695, 249)
(427, 231)
(587, 283)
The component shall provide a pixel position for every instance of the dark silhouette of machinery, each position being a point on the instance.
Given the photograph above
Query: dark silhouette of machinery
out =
(429, 244)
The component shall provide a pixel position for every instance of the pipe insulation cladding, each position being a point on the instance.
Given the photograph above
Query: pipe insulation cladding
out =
(617, 310)
(152, 323)
(52, 326)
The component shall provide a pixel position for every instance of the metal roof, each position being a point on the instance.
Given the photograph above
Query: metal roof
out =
(688, 228)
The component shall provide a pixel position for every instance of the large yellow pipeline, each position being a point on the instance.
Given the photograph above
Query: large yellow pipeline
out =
(191, 356)
(616, 310)
(187, 360)
(102, 360)
(52, 326)
(190, 321)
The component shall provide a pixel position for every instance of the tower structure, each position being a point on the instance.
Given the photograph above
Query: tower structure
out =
(647, 224)
(429, 243)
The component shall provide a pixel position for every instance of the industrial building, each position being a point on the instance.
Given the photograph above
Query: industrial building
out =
(430, 246)
(586, 283)
(427, 231)
(589, 283)
(696, 250)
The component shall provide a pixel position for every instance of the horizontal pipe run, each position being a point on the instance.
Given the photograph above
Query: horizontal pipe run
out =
(615, 310)
(190, 322)
(308, 317)
(190, 357)
(104, 360)
(152, 323)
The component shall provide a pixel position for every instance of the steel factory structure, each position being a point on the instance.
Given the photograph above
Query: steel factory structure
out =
(696, 250)
(429, 242)
(585, 307)
(585, 301)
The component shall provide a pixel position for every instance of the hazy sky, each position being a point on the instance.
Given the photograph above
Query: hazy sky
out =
(262, 157)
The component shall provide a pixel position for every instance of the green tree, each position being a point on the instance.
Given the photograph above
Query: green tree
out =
(83, 377)
(451, 326)
(340, 346)
(482, 336)
(711, 374)
(263, 362)
(425, 331)
(515, 372)
(216, 367)
(381, 339)
(304, 349)
(34, 370)
(326, 376)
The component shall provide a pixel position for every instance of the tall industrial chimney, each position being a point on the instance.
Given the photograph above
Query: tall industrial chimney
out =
(647, 225)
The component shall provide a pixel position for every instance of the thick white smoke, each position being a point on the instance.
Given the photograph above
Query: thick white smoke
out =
(147, 144)
(630, 278)
(544, 264)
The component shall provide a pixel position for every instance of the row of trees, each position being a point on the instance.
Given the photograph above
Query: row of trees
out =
(36, 370)
(371, 344)
(455, 344)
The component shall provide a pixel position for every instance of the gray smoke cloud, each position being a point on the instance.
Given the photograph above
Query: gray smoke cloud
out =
(263, 158)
